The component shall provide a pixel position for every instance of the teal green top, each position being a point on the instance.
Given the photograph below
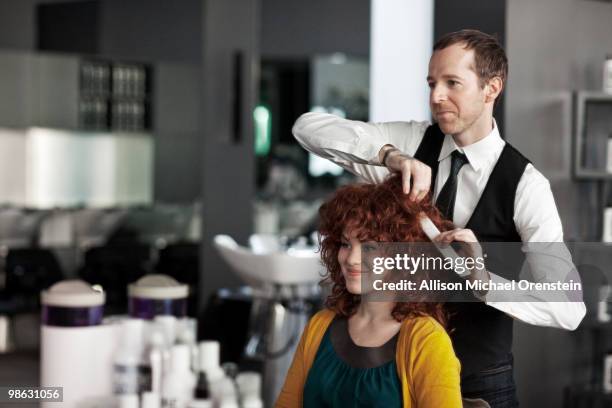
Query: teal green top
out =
(368, 379)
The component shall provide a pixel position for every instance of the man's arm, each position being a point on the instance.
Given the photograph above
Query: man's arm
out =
(549, 260)
(538, 223)
(360, 147)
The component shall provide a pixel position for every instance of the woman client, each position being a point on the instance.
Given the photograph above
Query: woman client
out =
(365, 353)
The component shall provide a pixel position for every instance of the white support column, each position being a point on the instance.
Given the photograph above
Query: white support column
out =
(401, 40)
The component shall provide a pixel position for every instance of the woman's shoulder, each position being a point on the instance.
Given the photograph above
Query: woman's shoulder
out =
(427, 362)
(321, 319)
(316, 328)
(425, 322)
(424, 339)
(420, 328)
(324, 314)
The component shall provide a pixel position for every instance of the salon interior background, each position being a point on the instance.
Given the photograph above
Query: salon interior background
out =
(198, 154)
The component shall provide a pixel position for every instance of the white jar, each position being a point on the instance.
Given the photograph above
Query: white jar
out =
(609, 155)
(607, 377)
(607, 75)
(607, 225)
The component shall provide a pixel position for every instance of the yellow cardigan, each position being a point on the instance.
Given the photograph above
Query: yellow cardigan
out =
(426, 363)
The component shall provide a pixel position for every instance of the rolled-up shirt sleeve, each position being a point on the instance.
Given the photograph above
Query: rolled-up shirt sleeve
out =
(355, 145)
(538, 223)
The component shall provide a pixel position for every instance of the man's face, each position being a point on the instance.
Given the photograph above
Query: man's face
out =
(456, 99)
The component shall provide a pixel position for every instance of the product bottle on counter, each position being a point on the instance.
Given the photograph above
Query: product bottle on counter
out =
(186, 333)
(72, 303)
(178, 383)
(229, 402)
(202, 391)
(609, 152)
(210, 373)
(76, 347)
(252, 402)
(249, 388)
(187, 330)
(224, 393)
(154, 295)
(607, 375)
(168, 324)
(196, 403)
(157, 357)
(128, 401)
(607, 74)
(150, 400)
(209, 358)
(131, 374)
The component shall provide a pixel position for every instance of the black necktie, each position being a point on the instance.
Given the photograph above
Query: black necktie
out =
(446, 198)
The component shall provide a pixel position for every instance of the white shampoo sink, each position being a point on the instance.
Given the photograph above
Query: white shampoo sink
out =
(294, 267)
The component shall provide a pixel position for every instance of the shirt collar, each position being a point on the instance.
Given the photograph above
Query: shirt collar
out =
(480, 153)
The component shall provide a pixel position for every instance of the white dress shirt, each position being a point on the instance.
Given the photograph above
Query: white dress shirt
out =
(355, 146)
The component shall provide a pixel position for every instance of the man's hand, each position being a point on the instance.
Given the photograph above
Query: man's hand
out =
(470, 248)
(412, 170)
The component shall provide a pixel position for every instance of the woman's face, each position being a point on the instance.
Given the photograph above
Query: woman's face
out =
(349, 258)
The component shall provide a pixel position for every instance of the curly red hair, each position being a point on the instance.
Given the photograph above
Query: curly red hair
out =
(374, 212)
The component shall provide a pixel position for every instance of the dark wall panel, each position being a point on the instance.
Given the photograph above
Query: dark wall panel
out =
(152, 29)
(296, 28)
(68, 27)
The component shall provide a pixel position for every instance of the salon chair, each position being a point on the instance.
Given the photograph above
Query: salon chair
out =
(24, 269)
(114, 267)
(181, 261)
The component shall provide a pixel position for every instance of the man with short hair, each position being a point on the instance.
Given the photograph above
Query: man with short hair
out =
(489, 190)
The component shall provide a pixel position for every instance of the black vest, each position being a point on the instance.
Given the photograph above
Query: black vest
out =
(482, 335)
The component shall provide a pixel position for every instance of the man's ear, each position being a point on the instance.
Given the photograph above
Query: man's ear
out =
(493, 89)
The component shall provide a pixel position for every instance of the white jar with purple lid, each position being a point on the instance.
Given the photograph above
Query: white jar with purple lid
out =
(72, 303)
(157, 294)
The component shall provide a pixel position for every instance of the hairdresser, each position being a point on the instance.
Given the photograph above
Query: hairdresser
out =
(485, 186)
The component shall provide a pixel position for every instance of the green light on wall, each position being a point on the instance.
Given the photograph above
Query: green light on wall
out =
(263, 126)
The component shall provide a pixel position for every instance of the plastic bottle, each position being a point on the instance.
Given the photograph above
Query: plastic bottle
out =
(208, 358)
(128, 401)
(150, 400)
(224, 392)
(249, 388)
(168, 324)
(208, 363)
(607, 375)
(178, 383)
(157, 356)
(187, 330)
(609, 153)
(202, 390)
(607, 74)
(197, 403)
(252, 402)
(186, 333)
(228, 402)
(127, 362)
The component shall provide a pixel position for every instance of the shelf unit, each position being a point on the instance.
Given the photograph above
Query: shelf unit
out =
(114, 96)
(592, 132)
(72, 92)
(590, 110)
